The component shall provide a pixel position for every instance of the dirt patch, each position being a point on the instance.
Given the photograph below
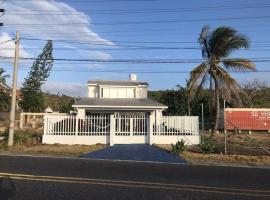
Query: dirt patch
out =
(194, 156)
(241, 144)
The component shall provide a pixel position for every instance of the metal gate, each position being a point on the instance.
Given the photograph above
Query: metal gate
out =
(131, 129)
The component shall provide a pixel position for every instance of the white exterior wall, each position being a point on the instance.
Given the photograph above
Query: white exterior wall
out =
(118, 92)
(81, 113)
(141, 92)
(93, 91)
(172, 139)
(73, 139)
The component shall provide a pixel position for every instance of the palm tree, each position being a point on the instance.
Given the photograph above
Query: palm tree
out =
(215, 69)
(3, 76)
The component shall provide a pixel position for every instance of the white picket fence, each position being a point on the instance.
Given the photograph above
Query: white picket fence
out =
(110, 129)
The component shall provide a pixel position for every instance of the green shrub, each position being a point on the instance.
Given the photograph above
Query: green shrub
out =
(208, 148)
(179, 147)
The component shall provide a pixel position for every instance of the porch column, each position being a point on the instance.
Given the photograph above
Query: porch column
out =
(112, 129)
(150, 123)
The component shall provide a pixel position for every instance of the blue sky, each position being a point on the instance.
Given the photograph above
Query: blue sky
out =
(94, 14)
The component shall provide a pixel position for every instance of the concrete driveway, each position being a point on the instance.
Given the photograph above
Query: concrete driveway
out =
(134, 152)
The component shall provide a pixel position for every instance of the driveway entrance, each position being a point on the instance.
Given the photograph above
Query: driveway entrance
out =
(134, 152)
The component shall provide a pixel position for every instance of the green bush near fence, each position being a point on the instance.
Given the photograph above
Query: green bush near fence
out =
(208, 148)
(179, 147)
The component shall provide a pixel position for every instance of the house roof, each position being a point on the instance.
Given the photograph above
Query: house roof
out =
(118, 102)
(118, 83)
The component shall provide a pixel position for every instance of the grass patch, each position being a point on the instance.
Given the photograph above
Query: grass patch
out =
(28, 141)
(52, 149)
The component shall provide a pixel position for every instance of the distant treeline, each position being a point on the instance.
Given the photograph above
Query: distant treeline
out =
(257, 95)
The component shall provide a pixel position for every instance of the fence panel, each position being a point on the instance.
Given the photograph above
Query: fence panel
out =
(176, 125)
(66, 125)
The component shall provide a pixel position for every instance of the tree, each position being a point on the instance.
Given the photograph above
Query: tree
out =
(4, 97)
(3, 76)
(32, 97)
(66, 107)
(215, 70)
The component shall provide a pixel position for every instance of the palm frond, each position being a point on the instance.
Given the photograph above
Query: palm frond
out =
(196, 74)
(239, 64)
(203, 41)
(228, 84)
(223, 40)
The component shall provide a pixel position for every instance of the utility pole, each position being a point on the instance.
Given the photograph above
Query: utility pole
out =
(225, 132)
(14, 91)
(2, 12)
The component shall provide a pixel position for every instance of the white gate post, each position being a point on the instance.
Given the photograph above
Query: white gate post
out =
(112, 129)
(76, 125)
(45, 125)
(150, 122)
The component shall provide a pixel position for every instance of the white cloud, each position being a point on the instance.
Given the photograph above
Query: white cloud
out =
(61, 32)
(71, 89)
(8, 48)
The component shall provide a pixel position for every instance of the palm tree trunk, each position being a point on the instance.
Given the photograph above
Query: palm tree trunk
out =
(217, 104)
(189, 106)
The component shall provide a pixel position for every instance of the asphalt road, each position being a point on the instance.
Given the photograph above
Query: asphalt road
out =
(34, 178)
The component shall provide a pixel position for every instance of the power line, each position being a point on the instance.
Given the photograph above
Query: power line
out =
(128, 49)
(91, 1)
(201, 8)
(129, 31)
(135, 71)
(116, 41)
(139, 22)
(153, 61)
(6, 41)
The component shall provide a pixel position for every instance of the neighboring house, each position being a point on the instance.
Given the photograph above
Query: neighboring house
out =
(48, 110)
(123, 98)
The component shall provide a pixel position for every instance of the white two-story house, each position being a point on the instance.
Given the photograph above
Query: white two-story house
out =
(119, 112)
(117, 97)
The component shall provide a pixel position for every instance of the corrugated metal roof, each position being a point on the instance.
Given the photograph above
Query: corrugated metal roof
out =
(117, 102)
(118, 83)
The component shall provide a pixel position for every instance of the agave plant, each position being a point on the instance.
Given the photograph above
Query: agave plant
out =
(214, 71)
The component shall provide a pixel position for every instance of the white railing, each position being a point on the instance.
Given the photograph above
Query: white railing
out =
(59, 125)
(176, 125)
(72, 125)
(94, 125)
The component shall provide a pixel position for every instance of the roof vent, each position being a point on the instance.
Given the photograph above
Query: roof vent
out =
(133, 77)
